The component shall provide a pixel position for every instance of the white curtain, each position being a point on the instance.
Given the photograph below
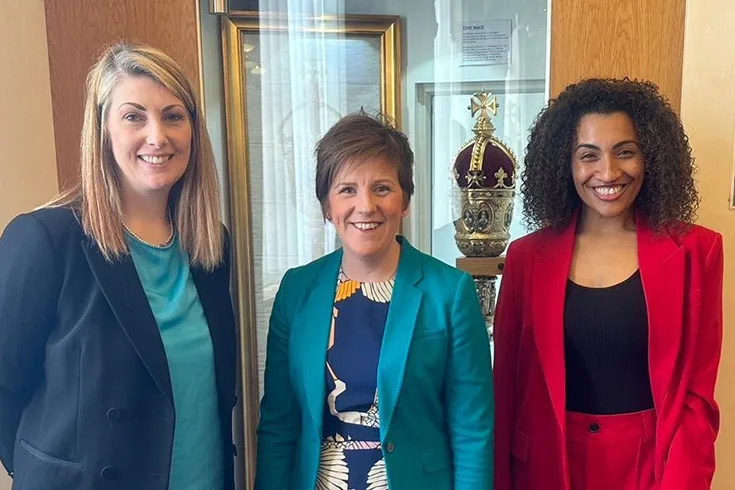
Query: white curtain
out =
(303, 83)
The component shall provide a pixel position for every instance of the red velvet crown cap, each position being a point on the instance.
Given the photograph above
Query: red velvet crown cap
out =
(493, 157)
(485, 162)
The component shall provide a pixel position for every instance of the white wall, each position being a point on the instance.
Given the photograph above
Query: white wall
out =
(708, 113)
(28, 160)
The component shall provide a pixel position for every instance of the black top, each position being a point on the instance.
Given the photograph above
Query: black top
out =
(606, 348)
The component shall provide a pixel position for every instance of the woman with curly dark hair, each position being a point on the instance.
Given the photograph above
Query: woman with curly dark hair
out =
(608, 326)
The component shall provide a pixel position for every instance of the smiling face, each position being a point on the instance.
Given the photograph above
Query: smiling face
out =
(607, 164)
(366, 205)
(150, 134)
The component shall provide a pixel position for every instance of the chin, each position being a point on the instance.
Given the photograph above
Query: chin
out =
(157, 187)
(366, 253)
(611, 212)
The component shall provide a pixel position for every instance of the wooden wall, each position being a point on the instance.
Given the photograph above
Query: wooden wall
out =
(77, 31)
(617, 38)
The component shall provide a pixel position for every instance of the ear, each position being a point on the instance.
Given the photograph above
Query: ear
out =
(405, 210)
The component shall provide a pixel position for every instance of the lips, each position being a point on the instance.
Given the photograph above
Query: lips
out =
(609, 192)
(366, 226)
(155, 159)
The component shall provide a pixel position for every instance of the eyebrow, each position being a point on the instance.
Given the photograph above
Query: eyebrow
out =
(381, 181)
(141, 108)
(616, 145)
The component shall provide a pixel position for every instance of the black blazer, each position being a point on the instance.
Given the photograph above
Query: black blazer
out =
(85, 395)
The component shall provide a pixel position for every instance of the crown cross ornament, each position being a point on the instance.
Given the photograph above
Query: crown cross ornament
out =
(485, 103)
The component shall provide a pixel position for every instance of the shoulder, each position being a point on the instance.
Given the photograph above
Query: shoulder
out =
(435, 270)
(34, 244)
(56, 225)
(529, 244)
(696, 234)
(305, 276)
(441, 282)
(700, 242)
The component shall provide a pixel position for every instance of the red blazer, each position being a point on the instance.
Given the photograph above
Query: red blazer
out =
(682, 281)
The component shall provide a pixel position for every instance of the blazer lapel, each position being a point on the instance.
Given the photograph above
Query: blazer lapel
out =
(123, 290)
(220, 321)
(661, 262)
(399, 327)
(550, 276)
(315, 320)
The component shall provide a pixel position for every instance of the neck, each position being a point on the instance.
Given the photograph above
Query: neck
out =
(372, 269)
(148, 217)
(593, 223)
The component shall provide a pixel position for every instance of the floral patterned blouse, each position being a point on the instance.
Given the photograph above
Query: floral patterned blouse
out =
(351, 454)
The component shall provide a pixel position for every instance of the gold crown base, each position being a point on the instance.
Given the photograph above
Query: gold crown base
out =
(483, 230)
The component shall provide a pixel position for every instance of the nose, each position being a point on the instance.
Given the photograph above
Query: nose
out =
(367, 202)
(610, 170)
(156, 134)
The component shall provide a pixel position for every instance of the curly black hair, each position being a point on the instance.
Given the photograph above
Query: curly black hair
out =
(668, 196)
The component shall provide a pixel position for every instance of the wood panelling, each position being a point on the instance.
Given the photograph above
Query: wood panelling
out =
(77, 32)
(641, 39)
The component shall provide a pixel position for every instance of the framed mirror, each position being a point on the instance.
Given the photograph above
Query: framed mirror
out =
(287, 80)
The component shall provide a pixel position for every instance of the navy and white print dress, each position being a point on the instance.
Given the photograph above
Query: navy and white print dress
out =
(351, 455)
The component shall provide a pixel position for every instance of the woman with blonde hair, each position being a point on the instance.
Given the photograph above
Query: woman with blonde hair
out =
(117, 335)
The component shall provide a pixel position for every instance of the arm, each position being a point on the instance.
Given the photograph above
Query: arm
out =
(507, 329)
(691, 458)
(28, 295)
(469, 392)
(279, 428)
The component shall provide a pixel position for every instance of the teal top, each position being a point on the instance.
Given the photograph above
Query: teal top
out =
(197, 461)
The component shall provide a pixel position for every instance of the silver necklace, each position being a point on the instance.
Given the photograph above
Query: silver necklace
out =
(161, 245)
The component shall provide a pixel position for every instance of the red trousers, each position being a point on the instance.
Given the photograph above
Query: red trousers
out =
(611, 452)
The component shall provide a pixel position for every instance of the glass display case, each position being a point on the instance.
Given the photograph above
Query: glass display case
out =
(292, 69)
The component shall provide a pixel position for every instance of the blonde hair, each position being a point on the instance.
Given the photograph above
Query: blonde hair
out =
(97, 198)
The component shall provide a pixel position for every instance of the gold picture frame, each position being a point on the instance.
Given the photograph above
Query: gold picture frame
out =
(383, 29)
(731, 200)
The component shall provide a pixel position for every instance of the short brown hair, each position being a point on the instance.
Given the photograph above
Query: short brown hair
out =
(358, 137)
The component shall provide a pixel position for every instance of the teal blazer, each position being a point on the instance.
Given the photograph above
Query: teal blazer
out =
(434, 379)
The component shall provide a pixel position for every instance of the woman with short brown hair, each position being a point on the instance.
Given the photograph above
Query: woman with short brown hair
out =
(378, 370)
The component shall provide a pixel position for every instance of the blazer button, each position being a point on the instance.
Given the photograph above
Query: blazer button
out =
(108, 473)
(594, 428)
(390, 447)
(114, 414)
